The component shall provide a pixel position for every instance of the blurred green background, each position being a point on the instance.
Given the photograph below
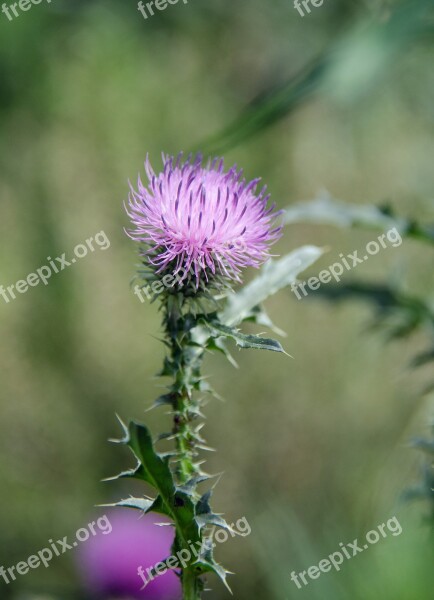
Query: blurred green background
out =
(314, 449)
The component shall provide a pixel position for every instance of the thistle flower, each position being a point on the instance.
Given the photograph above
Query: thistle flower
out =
(108, 564)
(201, 220)
(201, 225)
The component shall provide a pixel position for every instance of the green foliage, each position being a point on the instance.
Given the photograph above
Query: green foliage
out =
(241, 339)
(271, 106)
(274, 276)
(175, 476)
(190, 513)
(399, 313)
(327, 210)
(354, 63)
(153, 468)
(402, 314)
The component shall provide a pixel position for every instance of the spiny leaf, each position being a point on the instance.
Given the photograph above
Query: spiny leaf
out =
(211, 565)
(190, 487)
(142, 504)
(243, 340)
(219, 345)
(124, 439)
(160, 507)
(184, 511)
(164, 399)
(203, 506)
(205, 515)
(213, 519)
(259, 317)
(274, 276)
(156, 470)
(206, 562)
(168, 370)
(137, 473)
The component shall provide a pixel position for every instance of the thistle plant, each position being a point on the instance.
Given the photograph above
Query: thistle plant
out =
(198, 227)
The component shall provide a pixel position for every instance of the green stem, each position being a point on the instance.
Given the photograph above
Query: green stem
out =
(190, 585)
(185, 362)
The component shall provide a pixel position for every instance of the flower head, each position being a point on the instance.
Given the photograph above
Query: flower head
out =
(108, 564)
(202, 221)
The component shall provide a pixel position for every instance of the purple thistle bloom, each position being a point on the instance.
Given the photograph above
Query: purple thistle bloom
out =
(201, 220)
(108, 564)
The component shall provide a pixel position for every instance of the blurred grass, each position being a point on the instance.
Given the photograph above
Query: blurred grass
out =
(88, 89)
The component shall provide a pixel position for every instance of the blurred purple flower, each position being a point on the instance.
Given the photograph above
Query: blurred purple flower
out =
(108, 563)
(201, 218)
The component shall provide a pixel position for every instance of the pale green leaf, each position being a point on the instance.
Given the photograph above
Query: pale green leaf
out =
(274, 276)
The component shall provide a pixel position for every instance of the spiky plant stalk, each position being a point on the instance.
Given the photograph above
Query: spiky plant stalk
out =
(200, 227)
(184, 365)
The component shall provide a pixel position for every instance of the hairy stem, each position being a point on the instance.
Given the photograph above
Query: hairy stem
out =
(185, 363)
(190, 585)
